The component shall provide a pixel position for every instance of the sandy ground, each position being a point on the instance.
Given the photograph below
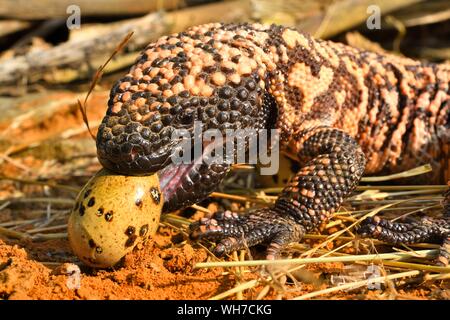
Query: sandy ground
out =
(160, 269)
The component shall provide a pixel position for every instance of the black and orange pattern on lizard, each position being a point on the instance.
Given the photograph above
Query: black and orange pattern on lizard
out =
(343, 111)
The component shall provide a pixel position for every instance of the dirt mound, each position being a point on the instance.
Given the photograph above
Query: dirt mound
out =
(151, 272)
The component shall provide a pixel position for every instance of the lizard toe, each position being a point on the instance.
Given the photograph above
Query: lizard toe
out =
(232, 231)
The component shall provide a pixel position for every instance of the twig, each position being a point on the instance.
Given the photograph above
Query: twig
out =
(240, 288)
(98, 75)
(352, 258)
(13, 234)
(49, 236)
(42, 183)
(200, 208)
(42, 199)
(52, 228)
(405, 174)
(356, 284)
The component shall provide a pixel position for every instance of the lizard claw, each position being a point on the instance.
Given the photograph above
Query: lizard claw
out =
(426, 230)
(232, 231)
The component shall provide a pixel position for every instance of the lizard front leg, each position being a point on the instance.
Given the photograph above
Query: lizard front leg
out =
(336, 166)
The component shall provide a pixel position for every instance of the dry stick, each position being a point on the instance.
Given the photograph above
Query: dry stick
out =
(49, 236)
(15, 223)
(5, 157)
(50, 264)
(428, 19)
(402, 187)
(229, 196)
(325, 20)
(77, 55)
(342, 238)
(264, 291)
(361, 283)
(413, 266)
(42, 199)
(367, 257)
(247, 285)
(405, 174)
(356, 284)
(52, 228)
(41, 10)
(173, 218)
(4, 205)
(401, 28)
(98, 75)
(242, 166)
(239, 295)
(236, 198)
(69, 133)
(201, 209)
(42, 183)
(383, 195)
(13, 234)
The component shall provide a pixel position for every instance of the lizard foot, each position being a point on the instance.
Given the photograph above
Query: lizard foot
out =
(232, 231)
(426, 230)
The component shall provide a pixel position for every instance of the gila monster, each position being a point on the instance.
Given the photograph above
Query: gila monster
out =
(342, 110)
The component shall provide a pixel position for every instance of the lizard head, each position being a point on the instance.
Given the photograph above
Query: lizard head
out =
(178, 81)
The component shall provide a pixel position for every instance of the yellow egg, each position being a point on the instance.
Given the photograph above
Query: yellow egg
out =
(112, 214)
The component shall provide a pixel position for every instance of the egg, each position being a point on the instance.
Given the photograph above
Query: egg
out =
(112, 214)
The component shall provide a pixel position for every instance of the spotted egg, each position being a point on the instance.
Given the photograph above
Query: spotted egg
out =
(112, 214)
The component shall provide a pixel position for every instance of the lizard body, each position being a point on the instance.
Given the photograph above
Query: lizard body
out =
(342, 110)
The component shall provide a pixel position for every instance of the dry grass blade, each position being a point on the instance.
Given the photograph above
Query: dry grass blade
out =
(49, 236)
(98, 75)
(42, 183)
(356, 284)
(403, 187)
(342, 238)
(13, 234)
(62, 201)
(52, 228)
(175, 220)
(416, 266)
(239, 288)
(349, 258)
(405, 174)
(200, 208)
(234, 197)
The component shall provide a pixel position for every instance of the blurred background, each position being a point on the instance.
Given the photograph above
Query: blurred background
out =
(51, 49)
